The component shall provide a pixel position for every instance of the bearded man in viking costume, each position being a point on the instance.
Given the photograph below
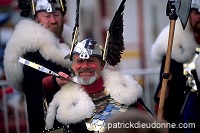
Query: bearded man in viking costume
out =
(41, 38)
(99, 94)
(95, 93)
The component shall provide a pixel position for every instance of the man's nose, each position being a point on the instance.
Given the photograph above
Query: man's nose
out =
(53, 19)
(85, 64)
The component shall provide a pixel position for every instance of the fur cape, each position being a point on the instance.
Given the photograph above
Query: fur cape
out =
(30, 36)
(183, 48)
(72, 104)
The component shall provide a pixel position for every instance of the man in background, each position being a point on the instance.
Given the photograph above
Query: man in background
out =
(184, 71)
(44, 39)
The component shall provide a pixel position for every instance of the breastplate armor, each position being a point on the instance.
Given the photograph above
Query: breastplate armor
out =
(188, 67)
(105, 108)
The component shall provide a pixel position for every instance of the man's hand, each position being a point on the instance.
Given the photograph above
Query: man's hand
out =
(62, 81)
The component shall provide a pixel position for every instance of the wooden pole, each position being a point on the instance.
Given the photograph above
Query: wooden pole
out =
(166, 69)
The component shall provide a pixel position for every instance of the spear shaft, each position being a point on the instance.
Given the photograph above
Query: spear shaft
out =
(166, 69)
(171, 12)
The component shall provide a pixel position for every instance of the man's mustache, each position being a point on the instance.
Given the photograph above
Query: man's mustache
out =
(85, 70)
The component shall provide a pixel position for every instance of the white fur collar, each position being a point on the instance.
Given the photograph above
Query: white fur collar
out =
(30, 36)
(184, 45)
(71, 104)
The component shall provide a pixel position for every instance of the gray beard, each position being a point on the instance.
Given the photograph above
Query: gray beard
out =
(57, 32)
(87, 81)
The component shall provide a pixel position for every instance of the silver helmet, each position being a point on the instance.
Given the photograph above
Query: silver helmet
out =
(88, 48)
(195, 4)
(48, 6)
(29, 8)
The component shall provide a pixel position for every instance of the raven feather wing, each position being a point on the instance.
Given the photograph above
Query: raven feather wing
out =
(115, 42)
(25, 7)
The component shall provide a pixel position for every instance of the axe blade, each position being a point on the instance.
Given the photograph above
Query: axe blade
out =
(183, 10)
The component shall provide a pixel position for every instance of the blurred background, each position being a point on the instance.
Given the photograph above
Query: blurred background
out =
(143, 21)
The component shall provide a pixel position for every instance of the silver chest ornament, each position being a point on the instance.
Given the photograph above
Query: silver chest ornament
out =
(105, 108)
(188, 67)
